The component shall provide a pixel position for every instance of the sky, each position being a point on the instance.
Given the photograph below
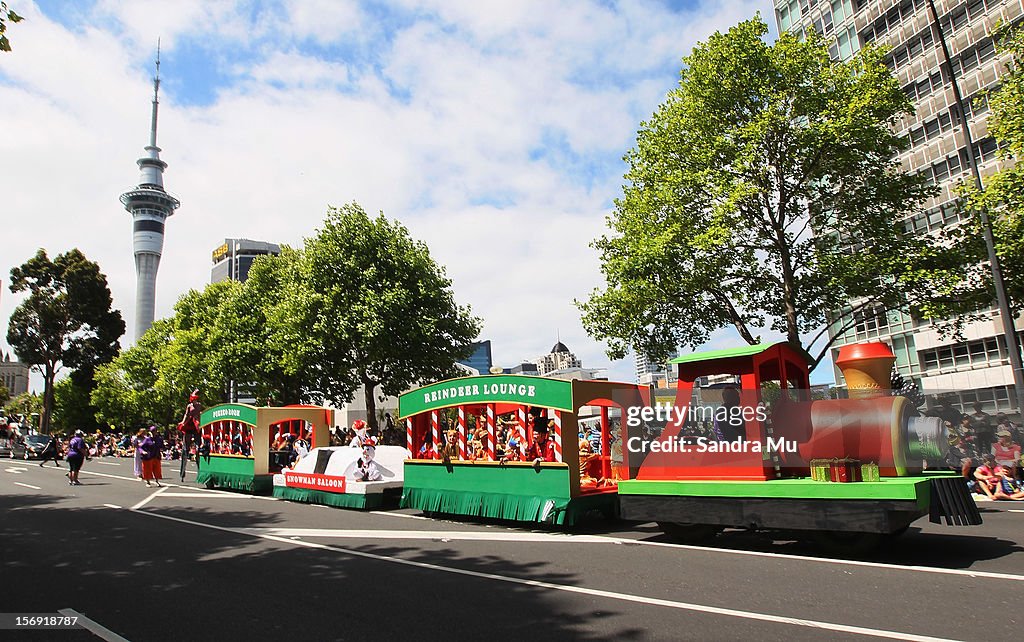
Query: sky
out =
(493, 130)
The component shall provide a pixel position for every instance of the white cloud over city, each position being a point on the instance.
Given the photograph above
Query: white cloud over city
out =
(493, 130)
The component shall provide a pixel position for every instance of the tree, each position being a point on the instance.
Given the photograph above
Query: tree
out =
(763, 193)
(6, 15)
(26, 404)
(131, 392)
(252, 341)
(375, 309)
(65, 321)
(1003, 196)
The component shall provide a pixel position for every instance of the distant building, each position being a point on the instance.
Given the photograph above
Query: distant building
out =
(559, 358)
(233, 258)
(523, 369)
(660, 375)
(14, 376)
(480, 360)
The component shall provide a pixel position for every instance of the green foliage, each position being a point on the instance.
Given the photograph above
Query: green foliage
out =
(6, 15)
(375, 309)
(5, 394)
(26, 404)
(362, 303)
(736, 187)
(65, 321)
(1003, 196)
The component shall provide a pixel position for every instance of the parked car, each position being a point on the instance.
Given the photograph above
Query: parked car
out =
(33, 446)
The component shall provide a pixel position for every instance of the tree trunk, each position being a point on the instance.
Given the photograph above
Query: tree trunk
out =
(49, 375)
(369, 386)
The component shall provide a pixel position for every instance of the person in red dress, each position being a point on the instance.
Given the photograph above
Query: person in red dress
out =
(542, 448)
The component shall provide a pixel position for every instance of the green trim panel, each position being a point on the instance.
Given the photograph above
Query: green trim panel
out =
(518, 389)
(255, 484)
(889, 488)
(338, 500)
(229, 412)
(742, 351)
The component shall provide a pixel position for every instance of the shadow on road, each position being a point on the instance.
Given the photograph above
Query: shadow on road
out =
(148, 578)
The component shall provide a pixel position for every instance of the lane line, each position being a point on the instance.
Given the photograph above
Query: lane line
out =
(112, 506)
(493, 536)
(17, 471)
(212, 495)
(27, 485)
(93, 627)
(387, 514)
(148, 499)
(728, 551)
(108, 463)
(825, 560)
(624, 597)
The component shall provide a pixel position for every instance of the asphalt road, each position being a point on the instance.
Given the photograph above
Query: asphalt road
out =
(187, 563)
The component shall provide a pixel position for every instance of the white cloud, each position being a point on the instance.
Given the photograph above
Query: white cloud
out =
(494, 131)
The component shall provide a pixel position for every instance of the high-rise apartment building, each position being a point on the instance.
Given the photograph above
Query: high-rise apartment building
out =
(560, 358)
(233, 258)
(977, 368)
(648, 372)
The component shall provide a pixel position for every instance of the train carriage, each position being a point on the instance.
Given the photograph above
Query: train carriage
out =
(236, 442)
(453, 473)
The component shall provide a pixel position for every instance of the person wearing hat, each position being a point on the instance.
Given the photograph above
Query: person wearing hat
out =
(1005, 451)
(957, 457)
(78, 452)
(189, 428)
(543, 447)
(359, 436)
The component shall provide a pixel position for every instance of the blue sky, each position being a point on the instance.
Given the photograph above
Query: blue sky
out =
(495, 131)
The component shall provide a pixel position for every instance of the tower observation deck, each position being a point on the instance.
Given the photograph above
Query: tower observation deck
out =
(150, 205)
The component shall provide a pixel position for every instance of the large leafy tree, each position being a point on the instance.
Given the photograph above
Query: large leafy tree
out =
(763, 193)
(256, 344)
(65, 321)
(1003, 195)
(376, 309)
(131, 391)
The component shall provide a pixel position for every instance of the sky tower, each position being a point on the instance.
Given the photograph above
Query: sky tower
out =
(149, 206)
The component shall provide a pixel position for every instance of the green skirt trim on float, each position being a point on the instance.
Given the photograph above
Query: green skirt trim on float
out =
(256, 484)
(338, 500)
(559, 511)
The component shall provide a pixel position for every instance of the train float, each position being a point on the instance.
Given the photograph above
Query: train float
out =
(775, 459)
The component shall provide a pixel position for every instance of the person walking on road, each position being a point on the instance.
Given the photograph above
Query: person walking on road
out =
(78, 452)
(150, 447)
(189, 427)
(137, 447)
(51, 451)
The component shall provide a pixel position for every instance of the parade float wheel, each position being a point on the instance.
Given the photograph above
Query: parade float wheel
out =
(689, 533)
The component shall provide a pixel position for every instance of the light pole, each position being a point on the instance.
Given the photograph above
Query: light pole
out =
(1009, 328)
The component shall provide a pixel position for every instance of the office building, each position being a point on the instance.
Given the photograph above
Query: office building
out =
(14, 376)
(976, 368)
(233, 258)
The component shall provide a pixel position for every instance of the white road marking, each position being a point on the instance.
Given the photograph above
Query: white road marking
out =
(624, 597)
(826, 560)
(27, 485)
(149, 499)
(107, 463)
(211, 495)
(1014, 510)
(385, 513)
(93, 627)
(17, 471)
(112, 506)
(706, 549)
(494, 536)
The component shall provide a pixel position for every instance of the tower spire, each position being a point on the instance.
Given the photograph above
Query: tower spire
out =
(156, 97)
(149, 206)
